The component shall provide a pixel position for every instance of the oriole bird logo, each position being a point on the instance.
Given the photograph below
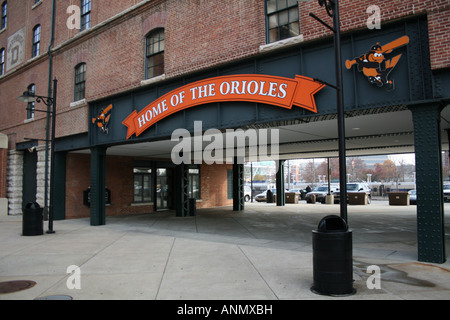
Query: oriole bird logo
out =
(375, 66)
(102, 120)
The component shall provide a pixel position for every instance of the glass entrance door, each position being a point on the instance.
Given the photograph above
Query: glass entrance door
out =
(163, 188)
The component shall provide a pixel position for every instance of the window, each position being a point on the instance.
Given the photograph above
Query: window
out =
(282, 19)
(2, 61)
(30, 105)
(142, 185)
(36, 41)
(194, 183)
(85, 14)
(4, 18)
(155, 44)
(80, 81)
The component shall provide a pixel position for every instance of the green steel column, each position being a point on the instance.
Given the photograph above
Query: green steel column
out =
(238, 186)
(430, 207)
(281, 198)
(59, 191)
(98, 185)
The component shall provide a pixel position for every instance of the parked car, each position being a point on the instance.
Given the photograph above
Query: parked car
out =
(412, 197)
(263, 196)
(247, 193)
(320, 193)
(446, 192)
(302, 192)
(355, 187)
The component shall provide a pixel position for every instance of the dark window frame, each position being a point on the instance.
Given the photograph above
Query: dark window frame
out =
(4, 15)
(282, 20)
(36, 44)
(85, 15)
(80, 81)
(194, 174)
(155, 43)
(30, 105)
(2, 61)
(141, 175)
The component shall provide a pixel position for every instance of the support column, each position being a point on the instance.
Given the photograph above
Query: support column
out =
(238, 186)
(59, 191)
(98, 185)
(281, 197)
(430, 206)
(181, 190)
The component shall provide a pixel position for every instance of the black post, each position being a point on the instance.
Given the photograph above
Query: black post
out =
(251, 182)
(52, 156)
(332, 7)
(340, 109)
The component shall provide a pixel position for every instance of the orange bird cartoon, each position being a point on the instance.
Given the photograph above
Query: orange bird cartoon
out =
(374, 64)
(102, 120)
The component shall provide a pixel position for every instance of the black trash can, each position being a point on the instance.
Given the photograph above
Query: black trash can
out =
(32, 220)
(192, 206)
(269, 196)
(332, 257)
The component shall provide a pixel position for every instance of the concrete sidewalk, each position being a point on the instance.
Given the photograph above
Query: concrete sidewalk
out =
(263, 253)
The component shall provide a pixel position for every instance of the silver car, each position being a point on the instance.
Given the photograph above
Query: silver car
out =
(355, 187)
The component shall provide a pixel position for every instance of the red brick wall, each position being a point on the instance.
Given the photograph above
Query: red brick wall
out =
(78, 179)
(214, 186)
(119, 180)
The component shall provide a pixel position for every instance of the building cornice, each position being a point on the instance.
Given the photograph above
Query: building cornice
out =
(119, 18)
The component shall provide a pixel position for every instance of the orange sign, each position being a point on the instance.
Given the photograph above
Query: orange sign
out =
(278, 91)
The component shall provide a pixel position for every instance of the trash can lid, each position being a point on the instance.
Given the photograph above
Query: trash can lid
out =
(32, 205)
(332, 223)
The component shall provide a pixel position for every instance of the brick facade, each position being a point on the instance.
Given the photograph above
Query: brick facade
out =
(119, 172)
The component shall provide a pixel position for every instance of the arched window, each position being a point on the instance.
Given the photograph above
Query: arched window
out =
(3, 19)
(80, 81)
(2, 61)
(36, 41)
(155, 45)
(30, 106)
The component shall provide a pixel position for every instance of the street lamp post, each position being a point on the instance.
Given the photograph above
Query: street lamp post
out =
(48, 101)
(332, 8)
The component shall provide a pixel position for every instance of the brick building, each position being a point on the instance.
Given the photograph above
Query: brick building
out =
(129, 53)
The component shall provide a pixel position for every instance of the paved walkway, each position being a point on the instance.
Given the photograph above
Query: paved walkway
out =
(263, 253)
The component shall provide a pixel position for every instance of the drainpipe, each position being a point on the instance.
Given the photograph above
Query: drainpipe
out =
(49, 86)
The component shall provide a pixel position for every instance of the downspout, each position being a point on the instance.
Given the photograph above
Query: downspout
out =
(49, 94)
